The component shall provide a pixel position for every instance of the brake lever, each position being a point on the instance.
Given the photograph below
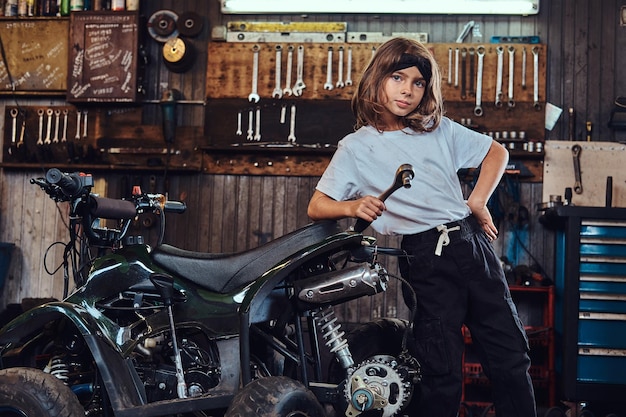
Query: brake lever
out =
(403, 178)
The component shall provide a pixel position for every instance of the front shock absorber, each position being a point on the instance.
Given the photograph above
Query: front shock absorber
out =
(333, 335)
(58, 367)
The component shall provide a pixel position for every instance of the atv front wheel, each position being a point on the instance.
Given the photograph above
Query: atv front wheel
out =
(29, 392)
(275, 396)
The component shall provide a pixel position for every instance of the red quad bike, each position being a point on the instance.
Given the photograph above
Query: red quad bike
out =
(161, 331)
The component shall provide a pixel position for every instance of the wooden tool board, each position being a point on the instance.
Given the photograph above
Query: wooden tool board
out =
(36, 51)
(598, 160)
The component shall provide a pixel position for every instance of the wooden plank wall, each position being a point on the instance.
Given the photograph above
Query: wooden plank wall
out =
(235, 212)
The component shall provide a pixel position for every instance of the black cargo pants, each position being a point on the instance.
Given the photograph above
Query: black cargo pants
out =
(465, 284)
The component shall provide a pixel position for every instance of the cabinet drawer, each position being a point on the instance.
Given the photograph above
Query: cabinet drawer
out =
(601, 369)
(595, 332)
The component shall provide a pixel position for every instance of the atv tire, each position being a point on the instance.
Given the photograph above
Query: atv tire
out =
(275, 396)
(29, 392)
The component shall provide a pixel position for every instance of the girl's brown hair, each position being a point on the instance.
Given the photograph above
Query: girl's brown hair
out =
(368, 99)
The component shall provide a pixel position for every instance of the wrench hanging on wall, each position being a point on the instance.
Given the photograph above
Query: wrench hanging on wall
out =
(499, 70)
(478, 110)
(511, 102)
(536, 103)
(254, 95)
(278, 91)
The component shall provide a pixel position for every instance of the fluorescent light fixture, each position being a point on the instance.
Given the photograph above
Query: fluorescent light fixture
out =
(504, 7)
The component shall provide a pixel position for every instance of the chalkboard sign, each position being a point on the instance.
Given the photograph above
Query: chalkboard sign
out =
(103, 57)
(36, 53)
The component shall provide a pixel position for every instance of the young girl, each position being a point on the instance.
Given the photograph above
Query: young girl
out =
(452, 265)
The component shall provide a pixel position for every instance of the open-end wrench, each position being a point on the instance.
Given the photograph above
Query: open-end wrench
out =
(349, 69)
(278, 92)
(463, 60)
(578, 185)
(254, 95)
(64, 137)
(238, 132)
(299, 85)
(40, 138)
(47, 140)
(14, 113)
(283, 114)
(57, 116)
(250, 131)
(340, 83)
(328, 85)
(478, 110)
(287, 90)
(511, 102)
(257, 134)
(536, 103)
(500, 53)
(472, 52)
(292, 125)
(523, 68)
(77, 135)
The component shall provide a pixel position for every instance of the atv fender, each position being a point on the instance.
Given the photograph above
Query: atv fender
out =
(254, 308)
(119, 377)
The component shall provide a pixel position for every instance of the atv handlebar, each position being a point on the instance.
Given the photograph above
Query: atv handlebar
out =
(75, 188)
(404, 175)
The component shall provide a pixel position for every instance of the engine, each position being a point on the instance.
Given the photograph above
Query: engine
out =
(155, 366)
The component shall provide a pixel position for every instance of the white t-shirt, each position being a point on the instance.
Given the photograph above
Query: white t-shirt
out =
(366, 162)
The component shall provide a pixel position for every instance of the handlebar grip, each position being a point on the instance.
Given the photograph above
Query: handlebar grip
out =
(110, 208)
(177, 207)
(68, 183)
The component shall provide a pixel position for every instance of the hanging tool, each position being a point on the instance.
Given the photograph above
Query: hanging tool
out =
(524, 68)
(499, 70)
(40, 137)
(465, 31)
(349, 69)
(250, 131)
(168, 109)
(456, 67)
(292, 125)
(328, 85)
(254, 95)
(299, 85)
(14, 113)
(572, 124)
(511, 102)
(478, 110)
(588, 126)
(471, 71)
(57, 116)
(47, 140)
(238, 132)
(257, 134)
(287, 90)
(578, 185)
(463, 70)
(449, 66)
(340, 83)
(536, 103)
(64, 137)
(278, 92)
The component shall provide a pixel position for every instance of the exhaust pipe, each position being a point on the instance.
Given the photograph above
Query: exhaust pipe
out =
(342, 285)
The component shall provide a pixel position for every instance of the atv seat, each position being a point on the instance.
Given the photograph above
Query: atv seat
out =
(225, 272)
